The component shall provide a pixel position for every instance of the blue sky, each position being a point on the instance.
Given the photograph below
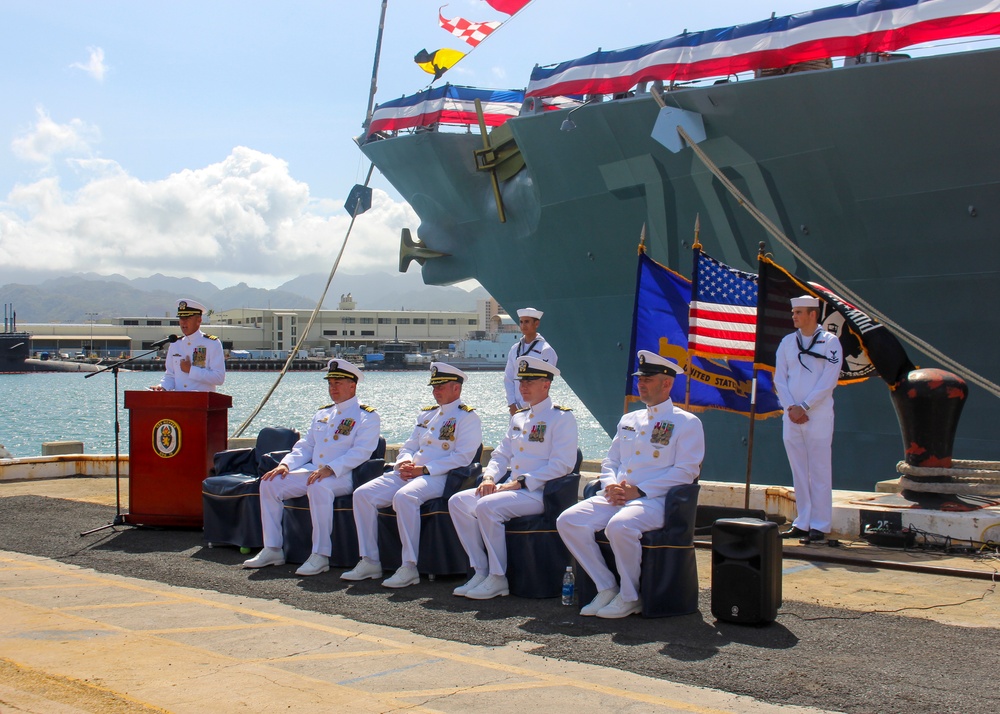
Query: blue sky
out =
(214, 139)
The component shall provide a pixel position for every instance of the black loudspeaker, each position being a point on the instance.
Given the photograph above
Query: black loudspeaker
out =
(746, 570)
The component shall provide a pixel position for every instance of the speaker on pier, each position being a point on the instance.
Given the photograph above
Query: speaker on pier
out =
(746, 570)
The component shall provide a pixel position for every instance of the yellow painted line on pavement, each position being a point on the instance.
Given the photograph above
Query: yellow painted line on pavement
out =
(394, 646)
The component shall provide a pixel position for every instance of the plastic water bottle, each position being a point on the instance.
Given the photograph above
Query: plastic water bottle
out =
(569, 586)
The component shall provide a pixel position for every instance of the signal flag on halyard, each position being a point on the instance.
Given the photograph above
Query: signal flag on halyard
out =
(868, 345)
(470, 32)
(723, 319)
(510, 7)
(840, 31)
(437, 62)
(660, 324)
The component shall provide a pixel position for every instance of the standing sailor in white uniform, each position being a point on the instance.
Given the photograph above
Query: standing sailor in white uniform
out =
(342, 435)
(540, 445)
(806, 372)
(654, 449)
(531, 344)
(447, 436)
(195, 362)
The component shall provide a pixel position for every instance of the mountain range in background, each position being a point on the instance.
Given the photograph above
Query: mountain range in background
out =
(75, 298)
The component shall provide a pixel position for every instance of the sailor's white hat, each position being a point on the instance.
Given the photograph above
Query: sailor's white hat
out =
(651, 363)
(805, 301)
(442, 373)
(342, 369)
(535, 368)
(530, 312)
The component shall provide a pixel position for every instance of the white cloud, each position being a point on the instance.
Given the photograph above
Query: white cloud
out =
(243, 217)
(47, 140)
(94, 66)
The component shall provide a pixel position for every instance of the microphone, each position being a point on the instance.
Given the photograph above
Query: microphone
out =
(171, 339)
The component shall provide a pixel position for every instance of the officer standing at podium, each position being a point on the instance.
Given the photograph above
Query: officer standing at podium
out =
(195, 362)
(342, 435)
(654, 449)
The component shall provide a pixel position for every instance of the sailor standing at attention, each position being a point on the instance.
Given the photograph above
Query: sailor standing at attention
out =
(540, 445)
(195, 362)
(806, 372)
(342, 435)
(446, 436)
(654, 449)
(531, 344)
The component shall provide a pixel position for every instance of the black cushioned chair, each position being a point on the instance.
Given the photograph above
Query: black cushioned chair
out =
(668, 581)
(440, 551)
(296, 524)
(536, 556)
(230, 496)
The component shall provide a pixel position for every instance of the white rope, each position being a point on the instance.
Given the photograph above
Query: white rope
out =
(829, 279)
(304, 334)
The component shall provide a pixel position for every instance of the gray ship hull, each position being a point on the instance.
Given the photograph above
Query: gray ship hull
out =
(887, 174)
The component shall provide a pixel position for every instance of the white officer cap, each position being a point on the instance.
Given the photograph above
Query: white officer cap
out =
(189, 308)
(530, 312)
(534, 368)
(342, 369)
(651, 363)
(805, 301)
(442, 373)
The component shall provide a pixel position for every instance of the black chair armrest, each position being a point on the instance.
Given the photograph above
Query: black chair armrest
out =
(371, 469)
(561, 493)
(592, 489)
(270, 460)
(462, 478)
(235, 461)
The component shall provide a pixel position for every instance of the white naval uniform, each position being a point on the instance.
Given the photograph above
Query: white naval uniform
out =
(341, 436)
(536, 348)
(444, 438)
(809, 446)
(207, 372)
(540, 444)
(654, 449)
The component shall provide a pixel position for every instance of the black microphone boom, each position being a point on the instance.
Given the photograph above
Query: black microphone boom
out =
(165, 340)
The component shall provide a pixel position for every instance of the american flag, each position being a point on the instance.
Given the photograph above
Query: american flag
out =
(470, 32)
(723, 316)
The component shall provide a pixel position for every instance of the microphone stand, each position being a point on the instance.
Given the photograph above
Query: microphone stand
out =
(119, 519)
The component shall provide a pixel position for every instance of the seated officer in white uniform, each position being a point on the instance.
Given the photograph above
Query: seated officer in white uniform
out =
(654, 449)
(540, 445)
(447, 435)
(195, 362)
(342, 435)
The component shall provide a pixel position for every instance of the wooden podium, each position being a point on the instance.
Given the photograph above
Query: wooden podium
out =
(173, 438)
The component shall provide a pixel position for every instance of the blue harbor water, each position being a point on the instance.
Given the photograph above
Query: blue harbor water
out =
(58, 406)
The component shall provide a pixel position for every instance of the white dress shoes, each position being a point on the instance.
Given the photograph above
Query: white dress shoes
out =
(404, 576)
(315, 565)
(603, 599)
(365, 570)
(473, 582)
(619, 608)
(267, 556)
(493, 586)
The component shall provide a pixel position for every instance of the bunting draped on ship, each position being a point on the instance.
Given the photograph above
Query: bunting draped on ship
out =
(840, 31)
(449, 104)
(660, 325)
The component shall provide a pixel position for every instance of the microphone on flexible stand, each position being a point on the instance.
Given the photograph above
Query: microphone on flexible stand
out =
(159, 343)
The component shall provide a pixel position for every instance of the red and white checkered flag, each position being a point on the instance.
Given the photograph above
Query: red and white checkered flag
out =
(471, 32)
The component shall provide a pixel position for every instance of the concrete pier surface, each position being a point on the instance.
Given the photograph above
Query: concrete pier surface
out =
(153, 620)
